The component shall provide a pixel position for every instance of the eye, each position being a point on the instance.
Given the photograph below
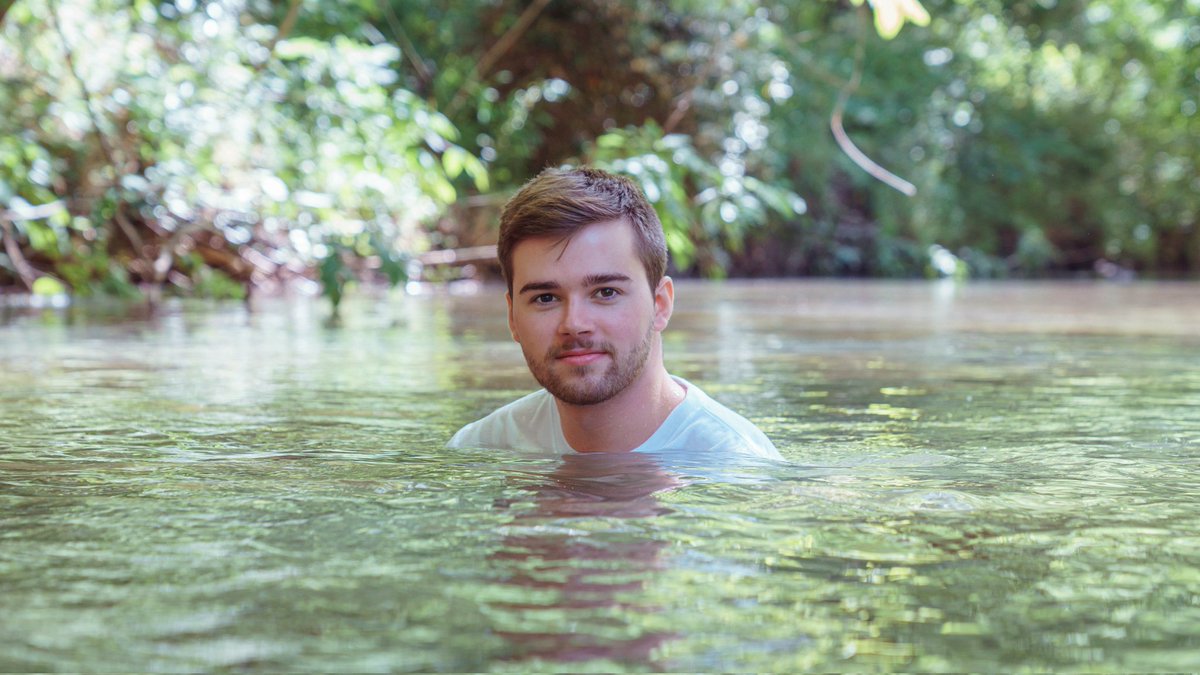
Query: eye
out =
(543, 299)
(607, 293)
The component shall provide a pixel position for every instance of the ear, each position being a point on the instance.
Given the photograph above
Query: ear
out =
(512, 324)
(664, 303)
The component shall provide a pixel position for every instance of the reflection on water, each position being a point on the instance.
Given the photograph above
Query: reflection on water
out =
(564, 577)
(984, 477)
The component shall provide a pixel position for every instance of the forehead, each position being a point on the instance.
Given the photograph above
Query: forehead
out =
(607, 247)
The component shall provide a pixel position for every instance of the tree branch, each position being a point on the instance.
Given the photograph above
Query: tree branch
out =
(505, 43)
(839, 131)
(166, 251)
(33, 212)
(110, 154)
(406, 44)
(684, 101)
(13, 249)
(285, 28)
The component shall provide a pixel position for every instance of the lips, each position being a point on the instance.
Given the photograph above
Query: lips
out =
(580, 357)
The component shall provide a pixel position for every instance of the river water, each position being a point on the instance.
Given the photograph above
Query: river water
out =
(997, 476)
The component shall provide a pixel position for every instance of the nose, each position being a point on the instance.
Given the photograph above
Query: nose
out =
(576, 318)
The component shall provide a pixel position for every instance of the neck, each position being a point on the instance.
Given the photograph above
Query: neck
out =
(628, 419)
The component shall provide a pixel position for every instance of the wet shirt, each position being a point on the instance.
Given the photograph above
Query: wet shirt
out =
(697, 425)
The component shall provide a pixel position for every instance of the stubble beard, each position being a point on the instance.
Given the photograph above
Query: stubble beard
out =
(575, 386)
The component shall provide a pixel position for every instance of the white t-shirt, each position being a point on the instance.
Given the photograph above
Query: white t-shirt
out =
(698, 425)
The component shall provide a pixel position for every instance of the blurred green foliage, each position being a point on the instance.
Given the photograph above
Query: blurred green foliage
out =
(185, 131)
(706, 213)
(211, 145)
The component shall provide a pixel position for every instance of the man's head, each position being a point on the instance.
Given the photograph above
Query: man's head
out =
(578, 249)
(560, 202)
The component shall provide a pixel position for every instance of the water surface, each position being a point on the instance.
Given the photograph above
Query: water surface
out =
(980, 477)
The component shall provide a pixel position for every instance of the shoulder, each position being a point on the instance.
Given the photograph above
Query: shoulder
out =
(707, 424)
(510, 426)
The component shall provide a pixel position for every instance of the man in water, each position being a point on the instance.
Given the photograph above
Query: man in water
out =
(584, 257)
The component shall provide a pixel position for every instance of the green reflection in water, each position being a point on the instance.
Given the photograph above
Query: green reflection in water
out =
(982, 478)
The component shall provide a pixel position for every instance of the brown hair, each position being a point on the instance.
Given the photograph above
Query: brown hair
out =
(560, 202)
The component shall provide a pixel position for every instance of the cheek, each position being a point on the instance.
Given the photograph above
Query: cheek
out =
(635, 320)
(527, 326)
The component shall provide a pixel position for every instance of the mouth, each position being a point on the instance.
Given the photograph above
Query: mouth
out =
(580, 357)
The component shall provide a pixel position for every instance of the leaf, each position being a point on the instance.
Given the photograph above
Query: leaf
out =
(610, 141)
(298, 48)
(42, 238)
(890, 15)
(477, 171)
(916, 13)
(442, 190)
(442, 126)
(452, 161)
(681, 247)
(48, 286)
(334, 276)
(888, 19)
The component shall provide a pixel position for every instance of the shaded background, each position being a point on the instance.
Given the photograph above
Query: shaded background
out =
(208, 148)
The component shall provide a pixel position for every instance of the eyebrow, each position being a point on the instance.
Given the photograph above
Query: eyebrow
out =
(589, 280)
(539, 286)
(597, 279)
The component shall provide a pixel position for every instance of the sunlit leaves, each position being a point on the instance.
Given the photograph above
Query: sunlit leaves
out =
(704, 210)
(48, 286)
(310, 136)
(457, 161)
(890, 15)
(1043, 135)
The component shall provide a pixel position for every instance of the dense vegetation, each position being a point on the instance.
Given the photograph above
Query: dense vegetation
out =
(208, 146)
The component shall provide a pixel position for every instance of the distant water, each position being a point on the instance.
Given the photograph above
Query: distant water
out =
(983, 477)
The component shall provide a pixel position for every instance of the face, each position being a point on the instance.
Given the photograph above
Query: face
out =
(584, 314)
